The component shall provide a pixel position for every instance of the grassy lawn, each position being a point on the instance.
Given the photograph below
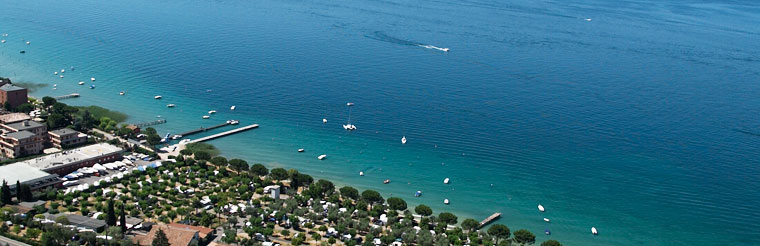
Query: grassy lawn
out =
(98, 112)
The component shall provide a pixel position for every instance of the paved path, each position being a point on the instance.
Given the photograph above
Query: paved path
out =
(11, 242)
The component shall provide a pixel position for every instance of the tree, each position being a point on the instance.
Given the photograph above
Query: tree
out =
(299, 180)
(469, 224)
(87, 120)
(55, 236)
(25, 108)
(48, 101)
(499, 231)
(151, 136)
(202, 155)
(447, 218)
(326, 187)
(372, 197)
(259, 169)
(25, 193)
(423, 210)
(523, 237)
(56, 120)
(110, 214)
(349, 192)
(160, 239)
(5, 193)
(396, 203)
(551, 242)
(279, 174)
(19, 197)
(239, 165)
(219, 161)
(123, 220)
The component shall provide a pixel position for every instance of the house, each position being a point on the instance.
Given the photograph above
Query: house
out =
(204, 233)
(11, 94)
(273, 190)
(135, 129)
(177, 236)
(66, 137)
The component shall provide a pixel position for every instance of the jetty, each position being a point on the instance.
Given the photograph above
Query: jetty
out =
(494, 216)
(150, 123)
(203, 129)
(72, 95)
(230, 132)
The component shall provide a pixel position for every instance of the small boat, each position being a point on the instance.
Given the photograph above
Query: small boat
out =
(232, 107)
(54, 85)
(403, 140)
(28, 43)
(588, 19)
(418, 194)
(300, 150)
(386, 181)
(71, 68)
(92, 86)
(234, 122)
(55, 73)
(212, 112)
(171, 105)
(121, 93)
(63, 70)
(540, 208)
(547, 220)
(61, 76)
(157, 97)
(594, 231)
(81, 83)
(22, 52)
(547, 232)
(361, 173)
(324, 121)
(446, 181)
(92, 79)
(349, 127)
(206, 117)
(175, 137)
(322, 157)
(2, 41)
(446, 201)
(350, 104)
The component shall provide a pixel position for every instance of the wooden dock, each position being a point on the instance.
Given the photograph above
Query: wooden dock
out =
(150, 123)
(494, 216)
(72, 95)
(230, 132)
(202, 129)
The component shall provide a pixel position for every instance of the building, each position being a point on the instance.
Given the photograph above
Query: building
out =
(13, 95)
(80, 221)
(25, 174)
(177, 236)
(13, 118)
(204, 233)
(65, 162)
(66, 137)
(22, 138)
(273, 190)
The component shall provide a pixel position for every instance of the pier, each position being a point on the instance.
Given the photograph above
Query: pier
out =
(203, 129)
(72, 95)
(230, 132)
(150, 123)
(494, 216)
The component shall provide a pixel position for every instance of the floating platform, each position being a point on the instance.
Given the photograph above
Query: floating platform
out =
(72, 95)
(202, 129)
(494, 216)
(150, 123)
(230, 132)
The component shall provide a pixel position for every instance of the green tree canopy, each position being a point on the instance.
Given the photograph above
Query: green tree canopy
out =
(110, 214)
(396, 203)
(278, 174)
(447, 218)
(259, 169)
(238, 165)
(469, 224)
(219, 160)
(551, 242)
(523, 236)
(5, 193)
(202, 155)
(349, 192)
(423, 210)
(48, 101)
(372, 197)
(499, 231)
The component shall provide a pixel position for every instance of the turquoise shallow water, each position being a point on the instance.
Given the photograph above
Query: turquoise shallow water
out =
(635, 122)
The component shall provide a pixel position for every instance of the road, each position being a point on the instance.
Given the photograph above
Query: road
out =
(11, 242)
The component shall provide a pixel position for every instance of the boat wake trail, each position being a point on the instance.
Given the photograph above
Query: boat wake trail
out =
(381, 36)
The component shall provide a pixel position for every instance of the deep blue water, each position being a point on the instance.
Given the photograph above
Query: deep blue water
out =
(642, 122)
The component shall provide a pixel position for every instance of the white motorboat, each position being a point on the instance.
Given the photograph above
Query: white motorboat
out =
(232, 107)
(170, 105)
(54, 85)
(121, 93)
(206, 117)
(540, 208)
(387, 181)
(446, 201)
(350, 104)
(446, 181)
(322, 157)
(61, 76)
(324, 121)
(81, 83)
(361, 173)
(594, 231)
(547, 220)
(212, 112)
(233, 122)
(157, 97)
(63, 70)
(403, 140)
(92, 79)
(28, 43)
(349, 127)
(2, 41)
(588, 19)
(55, 73)
(175, 137)
(300, 150)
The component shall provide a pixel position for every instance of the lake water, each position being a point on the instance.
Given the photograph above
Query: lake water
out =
(637, 117)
